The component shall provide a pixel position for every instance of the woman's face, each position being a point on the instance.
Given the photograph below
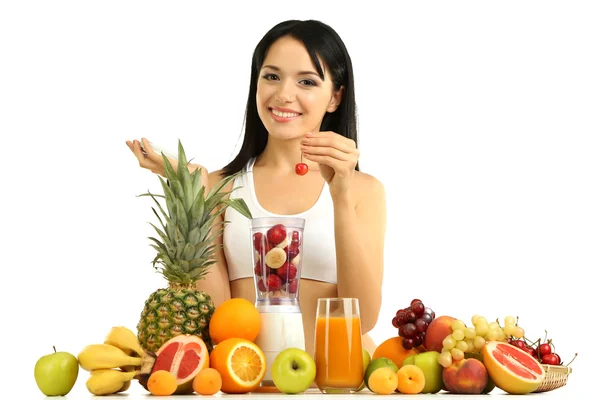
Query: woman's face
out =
(291, 97)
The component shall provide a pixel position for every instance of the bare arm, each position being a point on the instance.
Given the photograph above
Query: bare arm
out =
(216, 282)
(359, 240)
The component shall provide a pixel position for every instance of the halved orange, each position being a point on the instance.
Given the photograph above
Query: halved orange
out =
(241, 363)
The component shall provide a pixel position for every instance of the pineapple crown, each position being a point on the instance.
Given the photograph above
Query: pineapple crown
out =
(186, 250)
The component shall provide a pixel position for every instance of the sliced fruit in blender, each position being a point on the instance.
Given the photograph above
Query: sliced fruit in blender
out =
(275, 258)
(276, 234)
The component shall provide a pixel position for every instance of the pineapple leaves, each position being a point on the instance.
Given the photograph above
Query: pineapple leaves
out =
(240, 206)
(191, 221)
(182, 221)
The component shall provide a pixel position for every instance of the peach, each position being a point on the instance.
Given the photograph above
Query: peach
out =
(411, 379)
(437, 332)
(467, 376)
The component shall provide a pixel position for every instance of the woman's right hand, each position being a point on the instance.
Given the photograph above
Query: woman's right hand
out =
(153, 161)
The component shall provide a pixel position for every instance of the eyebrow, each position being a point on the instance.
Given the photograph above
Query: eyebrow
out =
(299, 72)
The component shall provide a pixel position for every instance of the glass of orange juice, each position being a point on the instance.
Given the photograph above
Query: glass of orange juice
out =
(338, 346)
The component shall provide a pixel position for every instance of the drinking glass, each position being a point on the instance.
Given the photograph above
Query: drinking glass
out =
(338, 345)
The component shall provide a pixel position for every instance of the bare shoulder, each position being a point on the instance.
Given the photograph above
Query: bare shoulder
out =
(368, 186)
(215, 177)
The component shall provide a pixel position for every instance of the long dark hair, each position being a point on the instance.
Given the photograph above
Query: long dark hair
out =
(322, 42)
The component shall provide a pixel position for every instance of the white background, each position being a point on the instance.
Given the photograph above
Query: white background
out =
(480, 118)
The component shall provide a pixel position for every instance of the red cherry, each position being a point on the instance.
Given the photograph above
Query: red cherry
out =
(545, 349)
(551, 359)
(301, 169)
(276, 234)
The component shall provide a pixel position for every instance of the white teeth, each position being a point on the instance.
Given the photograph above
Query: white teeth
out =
(275, 258)
(284, 114)
(283, 244)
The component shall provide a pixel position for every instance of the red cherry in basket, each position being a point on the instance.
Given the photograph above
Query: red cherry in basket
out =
(551, 359)
(545, 349)
(301, 169)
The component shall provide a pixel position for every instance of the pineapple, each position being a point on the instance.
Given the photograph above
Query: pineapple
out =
(185, 253)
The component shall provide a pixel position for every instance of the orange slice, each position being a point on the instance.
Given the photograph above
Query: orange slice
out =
(512, 369)
(241, 363)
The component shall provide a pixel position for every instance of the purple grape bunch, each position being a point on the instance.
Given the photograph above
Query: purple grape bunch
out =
(412, 323)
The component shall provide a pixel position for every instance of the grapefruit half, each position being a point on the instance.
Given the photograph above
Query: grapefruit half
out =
(512, 369)
(184, 356)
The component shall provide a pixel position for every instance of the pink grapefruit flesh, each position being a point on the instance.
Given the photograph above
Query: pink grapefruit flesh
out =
(184, 356)
(512, 369)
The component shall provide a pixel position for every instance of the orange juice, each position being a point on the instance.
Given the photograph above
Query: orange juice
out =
(338, 353)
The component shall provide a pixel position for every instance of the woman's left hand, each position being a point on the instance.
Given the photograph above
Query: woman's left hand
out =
(336, 155)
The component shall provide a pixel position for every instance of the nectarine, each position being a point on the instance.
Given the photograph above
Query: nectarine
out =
(437, 332)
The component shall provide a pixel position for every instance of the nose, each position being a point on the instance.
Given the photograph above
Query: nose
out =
(286, 92)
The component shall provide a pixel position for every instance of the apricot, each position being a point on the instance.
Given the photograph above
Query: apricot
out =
(162, 383)
(411, 379)
(383, 381)
(207, 382)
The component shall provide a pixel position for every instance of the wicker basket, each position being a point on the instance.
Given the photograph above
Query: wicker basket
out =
(556, 376)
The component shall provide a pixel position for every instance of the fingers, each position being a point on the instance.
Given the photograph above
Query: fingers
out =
(331, 139)
(337, 165)
(325, 151)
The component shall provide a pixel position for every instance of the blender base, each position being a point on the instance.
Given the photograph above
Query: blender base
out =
(278, 331)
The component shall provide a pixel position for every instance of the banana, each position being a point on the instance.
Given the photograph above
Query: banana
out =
(124, 339)
(296, 260)
(125, 386)
(283, 244)
(108, 381)
(104, 356)
(275, 258)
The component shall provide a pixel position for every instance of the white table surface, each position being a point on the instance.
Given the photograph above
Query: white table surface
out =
(137, 393)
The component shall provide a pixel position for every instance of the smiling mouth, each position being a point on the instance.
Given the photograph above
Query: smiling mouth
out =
(284, 114)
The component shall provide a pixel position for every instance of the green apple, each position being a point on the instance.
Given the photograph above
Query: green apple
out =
(56, 373)
(293, 371)
(366, 361)
(428, 362)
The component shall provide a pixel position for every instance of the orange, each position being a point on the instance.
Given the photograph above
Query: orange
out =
(208, 381)
(383, 381)
(392, 349)
(234, 318)
(241, 364)
(411, 379)
(162, 383)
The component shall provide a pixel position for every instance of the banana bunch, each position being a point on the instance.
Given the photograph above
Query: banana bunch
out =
(115, 363)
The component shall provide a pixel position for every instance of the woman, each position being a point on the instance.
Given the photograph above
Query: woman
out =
(301, 101)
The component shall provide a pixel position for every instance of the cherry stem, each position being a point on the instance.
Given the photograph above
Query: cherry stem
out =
(54, 347)
(546, 336)
(575, 356)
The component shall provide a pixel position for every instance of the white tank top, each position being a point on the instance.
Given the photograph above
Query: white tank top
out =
(318, 262)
